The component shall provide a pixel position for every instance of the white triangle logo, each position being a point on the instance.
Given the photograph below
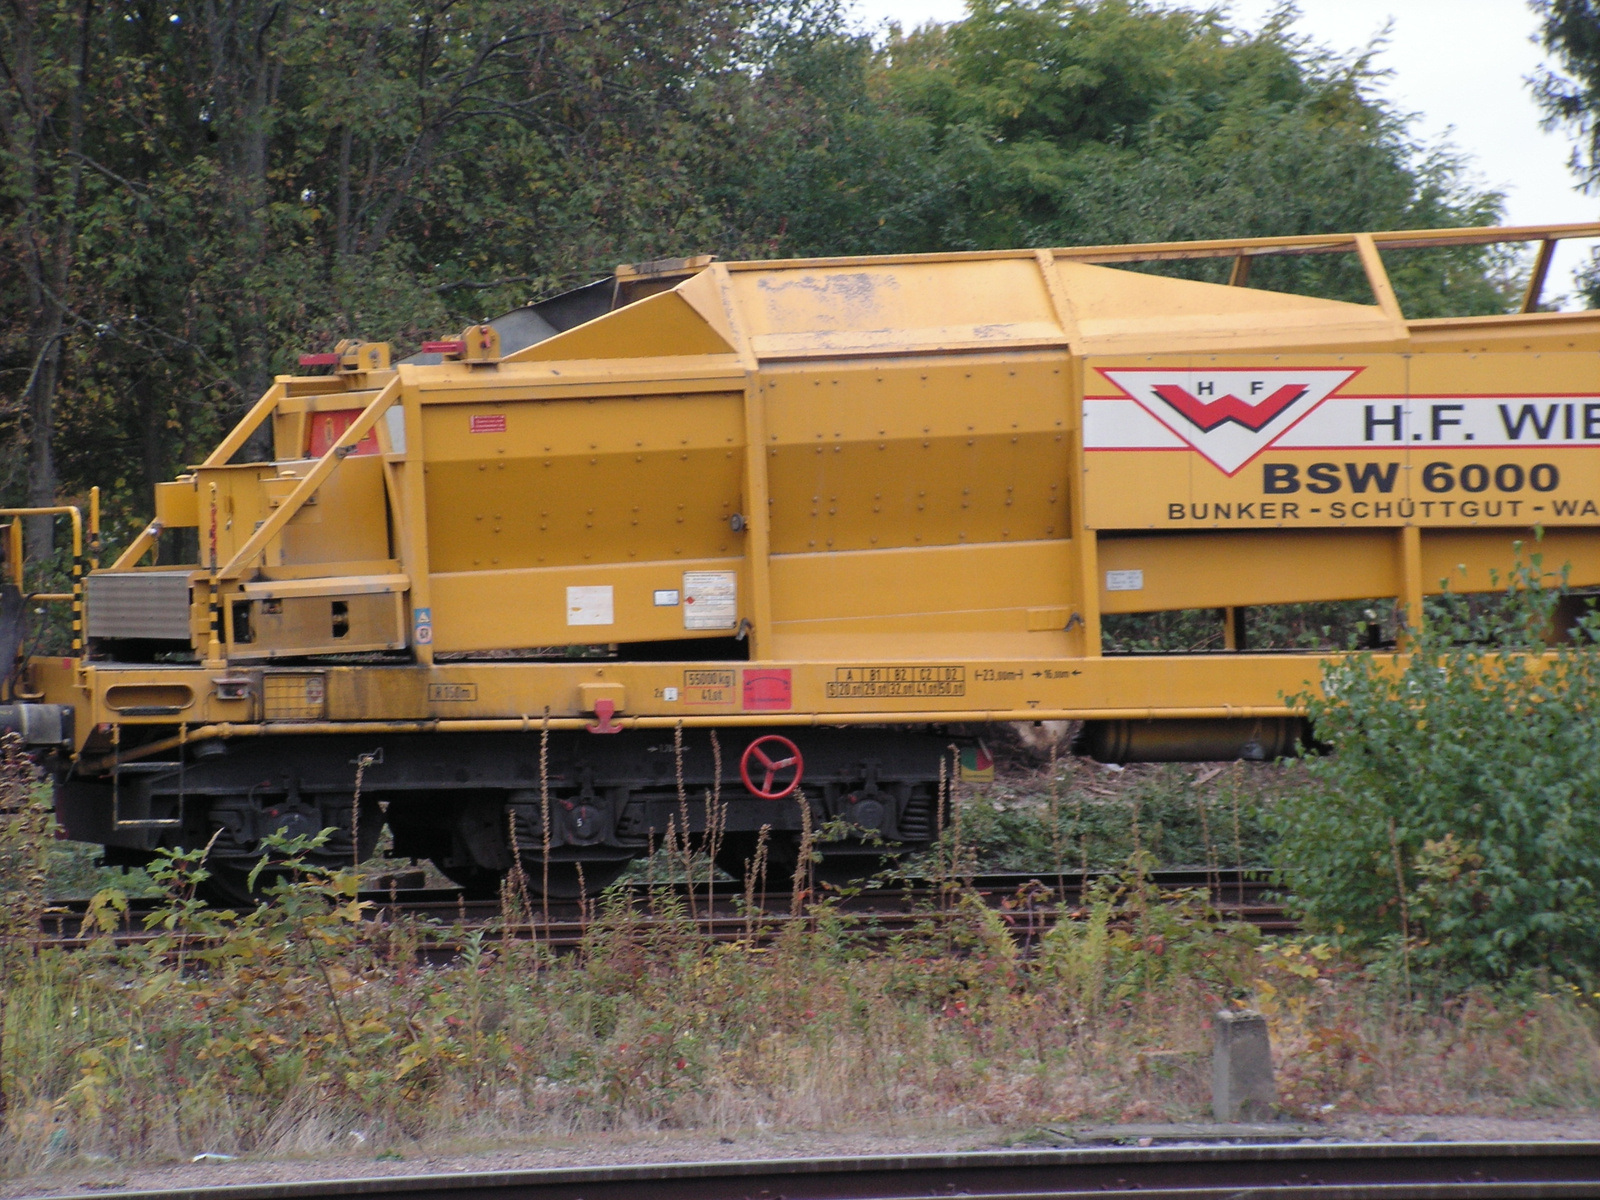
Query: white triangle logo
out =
(1233, 415)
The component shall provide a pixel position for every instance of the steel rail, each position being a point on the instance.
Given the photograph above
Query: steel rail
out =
(1029, 902)
(1324, 1171)
(1070, 880)
(446, 930)
(763, 930)
(570, 937)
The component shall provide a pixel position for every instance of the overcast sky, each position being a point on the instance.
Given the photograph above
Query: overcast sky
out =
(1461, 65)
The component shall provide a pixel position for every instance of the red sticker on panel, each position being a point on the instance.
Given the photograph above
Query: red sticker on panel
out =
(768, 689)
(490, 423)
(326, 428)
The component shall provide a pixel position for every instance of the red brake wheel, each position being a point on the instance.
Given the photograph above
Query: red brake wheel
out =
(772, 755)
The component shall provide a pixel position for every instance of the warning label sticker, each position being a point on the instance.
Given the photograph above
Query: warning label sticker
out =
(707, 687)
(710, 599)
(894, 683)
(487, 423)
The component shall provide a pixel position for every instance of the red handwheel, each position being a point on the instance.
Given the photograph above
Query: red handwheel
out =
(773, 754)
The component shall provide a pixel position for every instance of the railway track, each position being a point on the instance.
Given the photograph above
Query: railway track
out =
(1028, 904)
(1319, 1171)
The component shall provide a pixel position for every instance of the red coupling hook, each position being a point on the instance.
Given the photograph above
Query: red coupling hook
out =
(605, 710)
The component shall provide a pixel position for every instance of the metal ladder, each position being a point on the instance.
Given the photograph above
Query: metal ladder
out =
(118, 770)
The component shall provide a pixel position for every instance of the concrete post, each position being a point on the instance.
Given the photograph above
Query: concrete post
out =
(1242, 1088)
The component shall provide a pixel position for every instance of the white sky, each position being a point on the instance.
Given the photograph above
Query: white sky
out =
(1462, 65)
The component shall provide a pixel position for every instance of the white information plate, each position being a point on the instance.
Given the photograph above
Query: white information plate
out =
(1124, 581)
(590, 605)
(710, 599)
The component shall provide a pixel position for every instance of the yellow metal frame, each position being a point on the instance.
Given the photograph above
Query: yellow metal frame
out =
(224, 732)
(704, 337)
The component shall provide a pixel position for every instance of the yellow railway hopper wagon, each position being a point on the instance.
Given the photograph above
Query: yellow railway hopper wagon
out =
(782, 533)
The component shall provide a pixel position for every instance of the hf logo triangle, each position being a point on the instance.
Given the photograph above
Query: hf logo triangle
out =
(1229, 416)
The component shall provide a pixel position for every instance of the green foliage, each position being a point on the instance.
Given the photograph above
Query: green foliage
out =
(1066, 122)
(1135, 939)
(1100, 817)
(1570, 95)
(1321, 625)
(1460, 810)
(260, 179)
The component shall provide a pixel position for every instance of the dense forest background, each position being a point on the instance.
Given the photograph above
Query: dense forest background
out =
(193, 192)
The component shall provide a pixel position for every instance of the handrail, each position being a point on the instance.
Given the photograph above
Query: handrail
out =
(14, 552)
(1242, 250)
(309, 483)
(240, 434)
(1329, 243)
(1365, 245)
(226, 449)
(138, 548)
(1378, 278)
(1314, 243)
(76, 595)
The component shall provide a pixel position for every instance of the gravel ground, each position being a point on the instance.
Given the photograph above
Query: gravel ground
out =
(623, 1148)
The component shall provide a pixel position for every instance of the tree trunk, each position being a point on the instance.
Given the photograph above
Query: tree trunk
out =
(243, 87)
(50, 174)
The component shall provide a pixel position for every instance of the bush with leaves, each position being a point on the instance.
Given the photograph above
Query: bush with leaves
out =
(1460, 809)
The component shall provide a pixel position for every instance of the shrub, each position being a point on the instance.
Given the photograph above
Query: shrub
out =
(1460, 810)
(1093, 818)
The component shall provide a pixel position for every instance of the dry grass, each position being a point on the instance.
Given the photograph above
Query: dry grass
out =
(303, 1029)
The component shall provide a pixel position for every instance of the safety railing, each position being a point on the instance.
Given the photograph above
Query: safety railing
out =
(85, 556)
(1365, 245)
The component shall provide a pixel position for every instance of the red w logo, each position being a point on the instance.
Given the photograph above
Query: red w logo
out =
(1208, 415)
